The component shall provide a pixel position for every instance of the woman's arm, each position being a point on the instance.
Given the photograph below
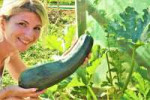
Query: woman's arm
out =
(18, 92)
(15, 66)
(3, 94)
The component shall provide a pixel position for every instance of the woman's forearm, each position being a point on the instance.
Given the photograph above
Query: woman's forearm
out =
(4, 93)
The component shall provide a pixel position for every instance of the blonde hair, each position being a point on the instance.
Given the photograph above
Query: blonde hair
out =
(12, 7)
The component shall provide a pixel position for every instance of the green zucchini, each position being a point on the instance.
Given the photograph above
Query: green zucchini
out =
(48, 74)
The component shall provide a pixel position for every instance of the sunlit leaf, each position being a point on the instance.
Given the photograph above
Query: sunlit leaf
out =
(91, 69)
(53, 42)
(101, 72)
(75, 82)
(69, 36)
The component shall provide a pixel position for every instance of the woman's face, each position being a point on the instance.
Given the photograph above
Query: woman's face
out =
(22, 30)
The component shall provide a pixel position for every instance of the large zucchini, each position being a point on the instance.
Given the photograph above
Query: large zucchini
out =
(45, 75)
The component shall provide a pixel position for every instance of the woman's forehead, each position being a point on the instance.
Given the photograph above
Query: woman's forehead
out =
(28, 16)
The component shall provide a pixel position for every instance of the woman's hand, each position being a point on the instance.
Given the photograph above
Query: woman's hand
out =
(20, 93)
(87, 58)
(12, 98)
(17, 98)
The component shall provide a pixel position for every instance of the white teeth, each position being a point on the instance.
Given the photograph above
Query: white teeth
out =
(25, 42)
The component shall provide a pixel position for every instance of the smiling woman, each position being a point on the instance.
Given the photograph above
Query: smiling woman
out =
(23, 29)
(21, 23)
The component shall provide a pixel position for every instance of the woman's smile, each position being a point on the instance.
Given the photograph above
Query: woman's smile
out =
(24, 41)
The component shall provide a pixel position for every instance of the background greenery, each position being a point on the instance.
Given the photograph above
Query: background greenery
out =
(112, 72)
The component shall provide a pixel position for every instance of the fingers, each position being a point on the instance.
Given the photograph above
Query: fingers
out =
(19, 98)
(86, 59)
(28, 92)
(15, 91)
(36, 94)
(13, 98)
(32, 90)
(41, 92)
(89, 55)
(34, 99)
(31, 98)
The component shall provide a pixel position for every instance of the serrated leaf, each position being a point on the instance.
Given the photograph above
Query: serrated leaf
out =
(131, 27)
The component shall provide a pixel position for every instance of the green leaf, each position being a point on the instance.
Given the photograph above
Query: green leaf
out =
(69, 36)
(53, 42)
(82, 73)
(95, 54)
(101, 72)
(143, 55)
(130, 95)
(91, 69)
(113, 7)
(143, 72)
(52, 89)
(142, 85)
(131, 26)
(75, 82)
(96, 31)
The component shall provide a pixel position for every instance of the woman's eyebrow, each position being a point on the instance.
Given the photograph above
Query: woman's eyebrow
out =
(39, 25)
(25, 21)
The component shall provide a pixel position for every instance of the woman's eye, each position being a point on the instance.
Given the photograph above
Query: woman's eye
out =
(37, 29)
(22, 24)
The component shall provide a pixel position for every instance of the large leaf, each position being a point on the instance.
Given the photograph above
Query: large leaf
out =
(133, 28)
(96, 31)
(100, 74)
(130, 28)
(111, 8)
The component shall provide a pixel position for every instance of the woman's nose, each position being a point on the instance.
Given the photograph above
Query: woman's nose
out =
(29, 34)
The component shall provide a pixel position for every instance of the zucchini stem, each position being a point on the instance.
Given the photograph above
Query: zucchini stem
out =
(91, 92)
(109, 71)
(130, 72)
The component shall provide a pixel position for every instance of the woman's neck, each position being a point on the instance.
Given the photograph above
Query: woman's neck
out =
(5, 50)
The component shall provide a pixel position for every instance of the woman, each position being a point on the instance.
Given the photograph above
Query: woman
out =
(21, 23)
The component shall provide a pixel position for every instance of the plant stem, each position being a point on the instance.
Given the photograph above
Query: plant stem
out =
(80, 17)
(92, 93)
(107, 95)
(130, 72)
(119, 72)
(109, 71)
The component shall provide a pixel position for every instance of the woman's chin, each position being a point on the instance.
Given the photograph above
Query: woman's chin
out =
(22, 49)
